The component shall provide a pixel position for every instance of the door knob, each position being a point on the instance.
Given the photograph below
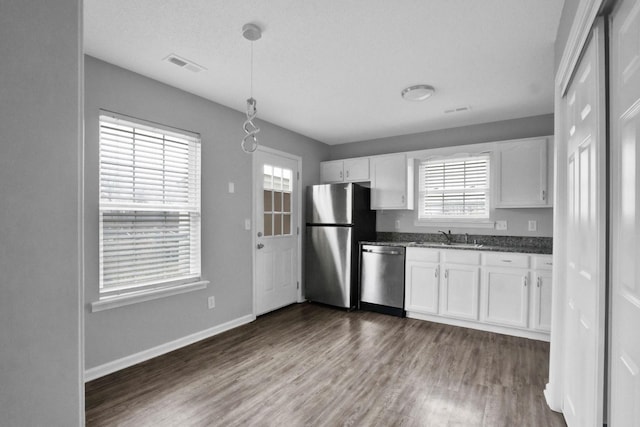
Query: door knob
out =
(260, 246)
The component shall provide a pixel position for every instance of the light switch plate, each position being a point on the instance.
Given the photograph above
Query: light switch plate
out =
(232, 188)
(247, 224)
(501, 225)
(533, 225)
(211, 301)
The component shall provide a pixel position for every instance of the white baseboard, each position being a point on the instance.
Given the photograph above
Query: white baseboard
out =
(534, 335)
(125, 362)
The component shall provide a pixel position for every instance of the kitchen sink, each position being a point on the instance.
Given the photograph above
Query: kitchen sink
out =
(462, 245)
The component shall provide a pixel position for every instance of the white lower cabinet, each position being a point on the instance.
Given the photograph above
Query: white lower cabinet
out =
(422, 280)
(460, 291)
(541, 294)
(496, 291)
(422, 294)
(505, 296)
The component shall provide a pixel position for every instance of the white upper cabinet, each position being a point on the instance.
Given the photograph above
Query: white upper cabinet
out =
(349, 170)
(522, 174)
(391, 182)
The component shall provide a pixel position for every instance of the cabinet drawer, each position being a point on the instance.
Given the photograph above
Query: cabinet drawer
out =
(461, 257)
(542, 262)
(503, 259)
(422, 254)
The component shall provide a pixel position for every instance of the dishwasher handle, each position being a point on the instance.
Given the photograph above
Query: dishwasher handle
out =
(383, 250)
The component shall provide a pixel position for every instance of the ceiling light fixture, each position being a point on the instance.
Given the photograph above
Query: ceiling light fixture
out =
(249, 143)
(417, 93)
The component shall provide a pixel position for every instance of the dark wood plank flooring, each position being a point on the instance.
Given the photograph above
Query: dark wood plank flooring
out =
(310, 365)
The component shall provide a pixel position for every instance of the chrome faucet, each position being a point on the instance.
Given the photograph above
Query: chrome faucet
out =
(448, 236)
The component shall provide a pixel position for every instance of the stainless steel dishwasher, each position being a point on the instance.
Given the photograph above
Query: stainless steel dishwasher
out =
(382, 279)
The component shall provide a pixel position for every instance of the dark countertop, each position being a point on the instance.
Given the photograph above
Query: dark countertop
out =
(465, 247)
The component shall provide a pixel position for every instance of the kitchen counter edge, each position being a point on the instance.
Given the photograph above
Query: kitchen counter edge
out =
(437, 245)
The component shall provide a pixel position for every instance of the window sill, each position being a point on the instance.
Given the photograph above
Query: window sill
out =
(458, 223)
(142, 296)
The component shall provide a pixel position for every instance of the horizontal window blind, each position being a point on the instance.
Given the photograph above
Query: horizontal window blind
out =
(149, 205)
(454, 188)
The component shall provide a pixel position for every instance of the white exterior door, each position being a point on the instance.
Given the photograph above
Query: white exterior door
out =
(625, 208)
(585, 239)
(277, 258)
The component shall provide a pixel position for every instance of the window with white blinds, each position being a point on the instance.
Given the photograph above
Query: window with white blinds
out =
(454, 188)
(149, 206)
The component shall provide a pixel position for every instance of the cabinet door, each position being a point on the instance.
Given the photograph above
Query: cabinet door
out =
(460, 291)
(391, 182)
(356, 170)
(521, 174)
(331, 171)
(541, 302)
(505, 299)
(421, 287)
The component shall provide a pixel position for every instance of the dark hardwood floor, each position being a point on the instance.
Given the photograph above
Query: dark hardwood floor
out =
(310, 365)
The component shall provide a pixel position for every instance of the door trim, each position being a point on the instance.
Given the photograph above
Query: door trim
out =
(298, 160)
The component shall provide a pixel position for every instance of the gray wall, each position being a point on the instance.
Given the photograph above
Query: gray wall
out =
(517, 219)
(40, 318)
(564, 27)
(226, 246)
(486, 132)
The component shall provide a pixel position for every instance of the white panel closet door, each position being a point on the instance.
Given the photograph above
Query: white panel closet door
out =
(586, 238)
(625, 249)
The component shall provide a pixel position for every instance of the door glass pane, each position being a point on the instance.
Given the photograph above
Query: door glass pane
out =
(277, 201)
(286, 179)
(286, 224)
(277, 186)
(277, 178)
(277, 224)
(268, 177)
(268, 229)
(268, 206)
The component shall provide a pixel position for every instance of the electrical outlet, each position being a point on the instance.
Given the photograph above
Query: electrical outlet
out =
(501, 225)
(533, 225)
(211, 301)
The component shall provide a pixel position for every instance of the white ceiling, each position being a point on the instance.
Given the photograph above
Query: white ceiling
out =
(333, 70)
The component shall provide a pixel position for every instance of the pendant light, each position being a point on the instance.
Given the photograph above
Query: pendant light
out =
(249, 143)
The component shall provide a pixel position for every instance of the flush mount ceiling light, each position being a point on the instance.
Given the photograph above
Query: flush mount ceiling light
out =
(249, 143)
(417, 92)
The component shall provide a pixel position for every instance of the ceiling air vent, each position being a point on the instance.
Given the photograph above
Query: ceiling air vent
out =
(458, 109)
(184, 63)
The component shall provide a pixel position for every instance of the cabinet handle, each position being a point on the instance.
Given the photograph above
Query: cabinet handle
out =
(402, 199)
(436, 272)
(538, 282)
(340, 174)
(544, 194)
(524, 280)
(446, 273)
(347, 174)
(506, 260)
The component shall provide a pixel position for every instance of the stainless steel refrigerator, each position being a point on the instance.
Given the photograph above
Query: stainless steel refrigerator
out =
(338, 217)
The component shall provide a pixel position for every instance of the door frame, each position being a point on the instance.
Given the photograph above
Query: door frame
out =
(254, 221)
(585, 18)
